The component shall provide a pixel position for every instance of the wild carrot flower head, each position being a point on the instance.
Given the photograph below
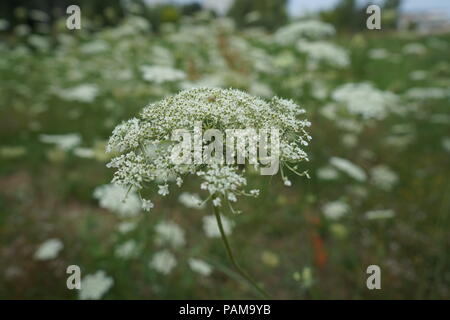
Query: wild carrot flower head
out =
(146, 144)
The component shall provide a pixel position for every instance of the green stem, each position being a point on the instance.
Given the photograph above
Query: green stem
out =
(233, 260)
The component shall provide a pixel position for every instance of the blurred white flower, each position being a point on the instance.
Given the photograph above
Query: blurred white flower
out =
(414, 49)
(169, 233)
(126, 250)
(49, 249)
(427, 93)
(84, 153)
(335, 210)
(383, 177)
(191, 200)
(161, 74)
(418, 75)
(378, 53)
(163, 262)
(94, 286)
(126, 226)
(200, 266)
(211, 228)
(349, 140)
(446, 143)
(4, 24)
(162, 56)
(81, 93)
(349, 168)
(118, 199)
(308, 29)
(94, 47)
(305, 277)
(365, 100)
(380, 214)
(327, 173)
(260, 89)
(62, 141)
(324, 52)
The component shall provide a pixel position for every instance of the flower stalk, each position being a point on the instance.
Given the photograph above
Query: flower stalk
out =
(236, 266)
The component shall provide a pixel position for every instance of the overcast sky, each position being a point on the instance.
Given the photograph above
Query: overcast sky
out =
(296, 7)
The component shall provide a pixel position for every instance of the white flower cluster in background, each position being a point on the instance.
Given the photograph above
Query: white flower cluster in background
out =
(349, 168)
(211, 228)
(81, 93)
(414, 49)
(200, 266)
(191, 200)
(308, 29)
(161, 74)
(118, 199)
(319, 52)
(145, 144)
(94, 286)
(62, 141)
(163, 261)
(127, 250)
(335, 210)
(378, 53)
(169, 233)
(383, 177)
(379, 214)
(430, 93)
(365, 100)
(49, 249)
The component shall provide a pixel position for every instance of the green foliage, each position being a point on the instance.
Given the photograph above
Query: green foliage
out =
(265, 13)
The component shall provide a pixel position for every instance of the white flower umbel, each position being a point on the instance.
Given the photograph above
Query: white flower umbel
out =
(327, 173)
(118, 199)
(309, 29)
(161, 74)
(200, 266)
(163, 262)
(349, 168)
(380, 214)
(191, 200)
(82, 93)
(49, 249)
(94, 286)
(365, 100)
(212, 229)
(127, 226)
(126, 250)
(169, 233)
(62, 141)
(146, 145)
(335, 210)
(323, 52)
(383, 177)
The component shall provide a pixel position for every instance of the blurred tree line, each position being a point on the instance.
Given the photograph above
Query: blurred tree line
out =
(262, 13)
(35, 13)
(348, 15)
(266, 13)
